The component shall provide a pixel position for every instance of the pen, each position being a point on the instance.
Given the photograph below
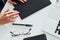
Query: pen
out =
(29, 25)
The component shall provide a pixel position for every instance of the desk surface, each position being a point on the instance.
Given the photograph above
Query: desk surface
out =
(35, 19)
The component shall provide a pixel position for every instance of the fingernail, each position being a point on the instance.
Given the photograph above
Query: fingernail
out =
(15, 3)
(25, 0)
(7, 15)
(22, 2)
(15, 16)
(16, 11)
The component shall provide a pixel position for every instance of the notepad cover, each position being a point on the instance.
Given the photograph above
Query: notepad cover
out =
(30, 7)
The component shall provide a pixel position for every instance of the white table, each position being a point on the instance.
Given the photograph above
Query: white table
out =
(36, 19)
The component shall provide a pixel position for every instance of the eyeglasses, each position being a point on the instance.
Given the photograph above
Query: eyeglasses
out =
(21, 33)
(14, 35)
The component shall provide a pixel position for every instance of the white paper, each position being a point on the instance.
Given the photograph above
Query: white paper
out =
(50, 26)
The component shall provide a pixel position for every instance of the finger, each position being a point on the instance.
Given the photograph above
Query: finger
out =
(10, 1)
(7, 10)
(12, 14)
(13, 17)
(1, 15)
(25, 0)
(21, 1)
(16, 11)
(9, 21)
(7, 13)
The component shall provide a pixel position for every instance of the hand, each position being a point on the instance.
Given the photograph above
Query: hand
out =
(23, 1)
(7, 17)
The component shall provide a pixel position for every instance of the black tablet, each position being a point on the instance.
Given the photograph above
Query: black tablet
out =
(38, 37)
(30, 7)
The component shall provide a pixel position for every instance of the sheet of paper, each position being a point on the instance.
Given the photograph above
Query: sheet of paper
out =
(54, 13)
(50, 26)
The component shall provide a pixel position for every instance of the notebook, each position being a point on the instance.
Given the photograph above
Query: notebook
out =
(30, 7)
(51, 26)
(51, 23)
(54, 13)
(38, 37)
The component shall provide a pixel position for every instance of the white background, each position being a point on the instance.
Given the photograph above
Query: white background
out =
(36, 19)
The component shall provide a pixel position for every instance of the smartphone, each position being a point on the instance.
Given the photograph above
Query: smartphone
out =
(38, 37)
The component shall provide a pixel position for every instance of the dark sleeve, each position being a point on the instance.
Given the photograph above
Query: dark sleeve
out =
(2, 4)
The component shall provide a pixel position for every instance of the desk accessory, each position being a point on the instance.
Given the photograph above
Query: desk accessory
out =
(38, 37)
(14, 35)
(27, 25)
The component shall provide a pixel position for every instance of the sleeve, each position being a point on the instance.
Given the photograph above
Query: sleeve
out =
(1, 5)
(4, 1)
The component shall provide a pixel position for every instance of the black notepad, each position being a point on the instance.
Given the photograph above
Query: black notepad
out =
(30, 7)
(38, 37)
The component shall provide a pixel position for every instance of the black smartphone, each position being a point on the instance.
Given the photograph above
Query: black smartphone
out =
(38, 37)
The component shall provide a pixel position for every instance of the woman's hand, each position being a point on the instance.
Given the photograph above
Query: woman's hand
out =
(8, 16)
(12, 2)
